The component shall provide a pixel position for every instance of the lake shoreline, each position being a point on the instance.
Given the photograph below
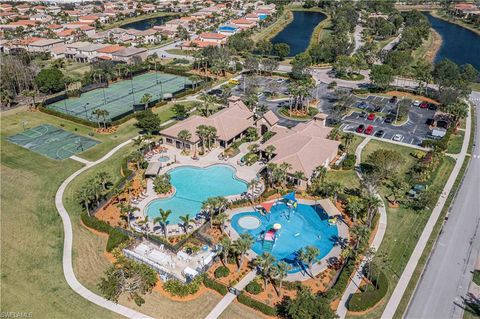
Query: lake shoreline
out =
(436, 14)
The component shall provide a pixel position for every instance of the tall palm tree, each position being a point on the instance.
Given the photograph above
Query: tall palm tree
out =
(280, 272)
(126, 211)
(360, 233)
(347, 139)
(308, 256)
(241, 246)
(227, 247)
(186, 220)
(139, 142)
(202, 133)
(265, 264)
(211, 135)
(354, 207)
(146, 98)
(162, 220)
(371, 204)
(85, 196)
(104, 179)
(98, 114)
(184, 135)
(220, 220)
(269, 150)
(321, 173)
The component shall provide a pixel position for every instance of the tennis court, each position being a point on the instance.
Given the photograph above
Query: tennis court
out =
(52, 141)
(120, 98)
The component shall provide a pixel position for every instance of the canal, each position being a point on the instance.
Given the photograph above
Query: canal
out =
(458, 44)
(297, 33)
(146, 24)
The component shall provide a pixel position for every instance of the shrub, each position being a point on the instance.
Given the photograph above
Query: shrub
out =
(349, 161)
(177, 288)
(332, 85)
(362, 301)
(161, 184)
(267, 136)
(254, 288)
(251, 159)
(312, 111)
(115, 238)
(263, 308)
(212, 284)
(221, 272)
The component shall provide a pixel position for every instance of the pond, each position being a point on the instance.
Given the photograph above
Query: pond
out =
(146, 24)
(459, 44)
(297, 33)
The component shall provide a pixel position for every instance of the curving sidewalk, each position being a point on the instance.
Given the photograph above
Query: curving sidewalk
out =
(356, 279)
(67, 247)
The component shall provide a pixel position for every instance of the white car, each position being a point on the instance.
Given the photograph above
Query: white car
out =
(416, 103)
(279, 80)
(397, 137)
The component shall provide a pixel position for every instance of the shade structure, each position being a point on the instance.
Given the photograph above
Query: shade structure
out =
(267, 206)
(290, 197)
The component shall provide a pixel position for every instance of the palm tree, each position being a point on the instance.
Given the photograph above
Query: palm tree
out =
(85, 196)
(184, 135)
(354, 207)
(186, 220)
(126, 211)
(220, 220)
(334, 134)
(371, 204)
(360, 233)
(227, 247)
(265, 264)
(252, 184)
(320, 172)
(162, 220)
(136, 157)
(347, 139)
(98, 114)
(104, 179)
(146, 98)
(202, 133)
(139, 143)
(280, 272)
(211, 135)
(32, 94)
(241, 246)
(308, 256)
(269, 150)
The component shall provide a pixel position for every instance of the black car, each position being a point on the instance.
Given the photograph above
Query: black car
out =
(363, 114)
(215, 92)
(379, 133)
(432, 107)
(389, 119)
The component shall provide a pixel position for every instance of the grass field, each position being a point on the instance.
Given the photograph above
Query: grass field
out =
(455, 143)
(32, 234)
(404, 224)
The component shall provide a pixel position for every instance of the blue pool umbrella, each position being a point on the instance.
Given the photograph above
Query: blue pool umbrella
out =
(290, 197)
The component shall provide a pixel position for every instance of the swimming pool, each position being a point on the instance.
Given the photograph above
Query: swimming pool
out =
(193, 186)
(305, 226)
(163, 159)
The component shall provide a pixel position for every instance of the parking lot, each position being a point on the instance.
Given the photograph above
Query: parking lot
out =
(413, 131)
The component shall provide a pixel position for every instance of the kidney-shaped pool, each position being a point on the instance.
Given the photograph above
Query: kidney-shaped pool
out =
(193, 186)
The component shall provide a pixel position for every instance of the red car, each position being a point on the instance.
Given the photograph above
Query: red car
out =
(360, 128)
(369, 130)
(371, 116)
(424, 105)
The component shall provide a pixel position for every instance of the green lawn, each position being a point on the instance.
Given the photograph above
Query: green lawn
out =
(32, 233)
(404, 225)
(455, 143)
(180, 52)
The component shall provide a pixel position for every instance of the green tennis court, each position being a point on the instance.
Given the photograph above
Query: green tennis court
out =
(120, 98)
(52, 141)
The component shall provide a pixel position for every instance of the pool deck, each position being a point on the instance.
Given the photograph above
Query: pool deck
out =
(323, 264)
(244, 173)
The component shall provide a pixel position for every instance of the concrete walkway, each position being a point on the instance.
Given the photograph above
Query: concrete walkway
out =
(427, 231)
(67, 247)
(229, 297)
(377, 240)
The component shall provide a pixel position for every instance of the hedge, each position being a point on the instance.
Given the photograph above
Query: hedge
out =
(212, 284)
(254, 288)
(177, 288)
(115, 237)
(221, 272)
(362, 301)
(257, 305)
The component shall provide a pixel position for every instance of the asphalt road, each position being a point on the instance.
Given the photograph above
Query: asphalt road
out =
(446, 278)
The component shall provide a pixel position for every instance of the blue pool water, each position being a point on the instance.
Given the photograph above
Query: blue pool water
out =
(193, 186)
(306, 226)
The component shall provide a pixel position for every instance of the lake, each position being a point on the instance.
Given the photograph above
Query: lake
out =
(298, 32)
(146, 24)
(459, 44)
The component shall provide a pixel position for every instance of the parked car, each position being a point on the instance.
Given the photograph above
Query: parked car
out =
(379, 133)
(432, 107)
(362, 105)
(424, 105)
(234, 81)
(397, 137)
(360, 128)
(369, 130)
(389, 119)
(363, 114)
(416, 103)
(280, 80)
(215, 92)
(393, 99)
(371, 116)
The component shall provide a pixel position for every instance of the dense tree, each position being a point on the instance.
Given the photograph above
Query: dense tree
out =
(306, 306)
(50, 80)
(381, 75)
(300, 65)
(148, 121)
(386, 162)
(282, 50)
